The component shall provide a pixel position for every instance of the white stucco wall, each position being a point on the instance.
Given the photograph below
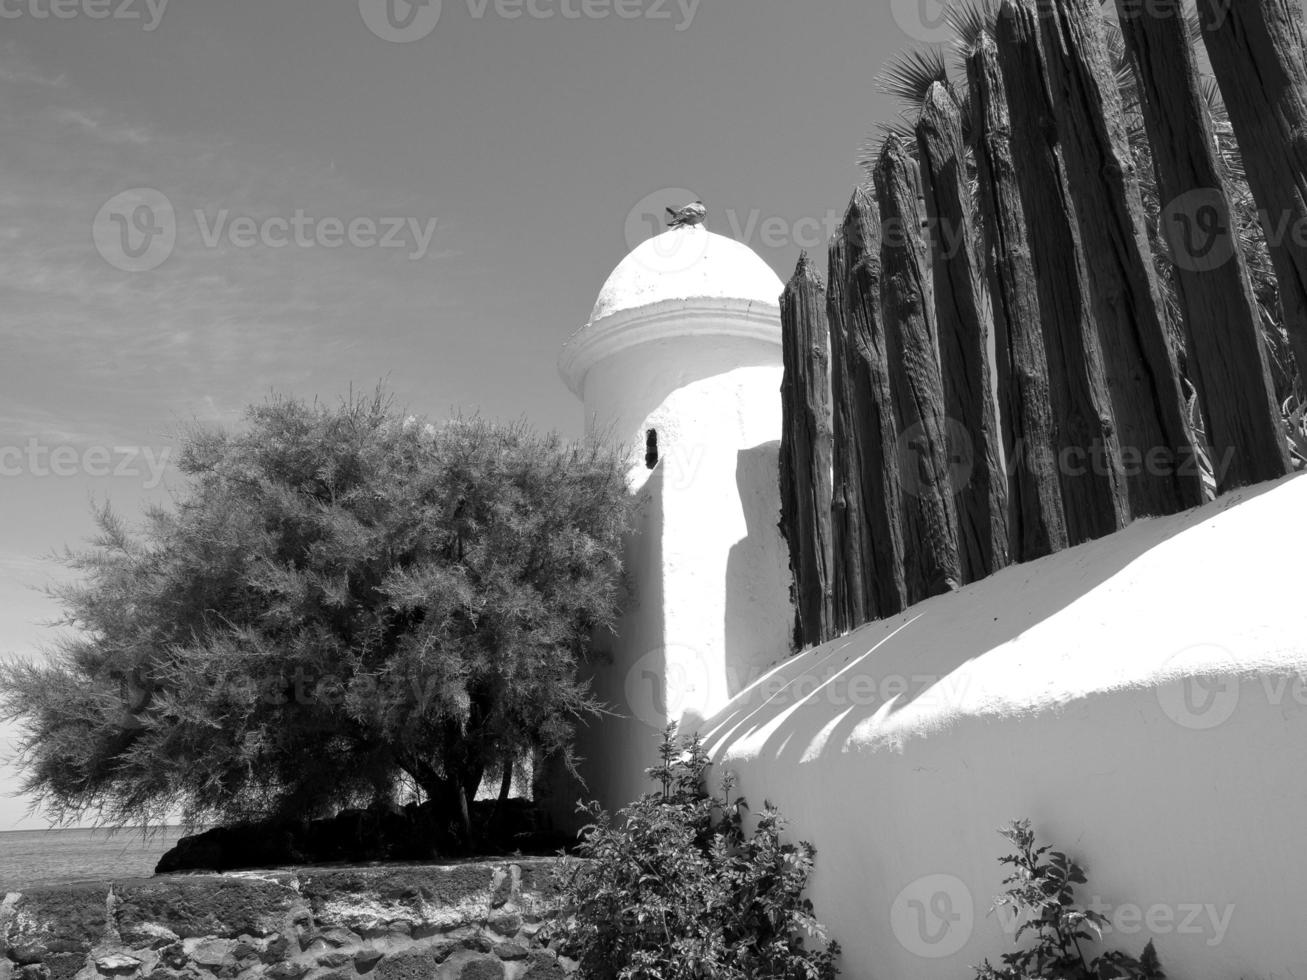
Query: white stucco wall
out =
(1139, 698)
(685, 340)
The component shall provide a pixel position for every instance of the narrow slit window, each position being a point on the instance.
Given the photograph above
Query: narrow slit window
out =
(651, 448)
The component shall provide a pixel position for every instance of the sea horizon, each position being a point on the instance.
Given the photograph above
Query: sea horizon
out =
(66, 855)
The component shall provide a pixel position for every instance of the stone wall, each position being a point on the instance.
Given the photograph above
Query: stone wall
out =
(459, 922)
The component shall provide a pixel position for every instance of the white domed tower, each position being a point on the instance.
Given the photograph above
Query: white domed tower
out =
(681, 364)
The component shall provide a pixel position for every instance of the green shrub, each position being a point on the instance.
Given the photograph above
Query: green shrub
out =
(1041, 893)
(675, 888)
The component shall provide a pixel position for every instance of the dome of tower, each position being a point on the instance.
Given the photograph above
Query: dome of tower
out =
(686, 281)
(687, 263)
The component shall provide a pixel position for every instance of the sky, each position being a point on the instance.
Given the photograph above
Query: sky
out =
(203, 203)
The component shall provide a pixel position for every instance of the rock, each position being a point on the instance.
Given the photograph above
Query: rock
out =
(277, 949)
(118, 963)
(366, 959)
(511, 951)
(530, 929)
(479, 942)
(335, 958)
(501, 888)
(174, 956)
(25, 953)
(470, 965)
(543, 965)
(204, 906)
(211, 954)
(339, 937)
(143, 935)
(483, 969)
(419, 963)
(373, 929)
(506, 921)
(291, 970)
(54, 928)
(6, 969)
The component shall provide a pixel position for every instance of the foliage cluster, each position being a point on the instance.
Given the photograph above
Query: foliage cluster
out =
(1041, 894)
(675, 888)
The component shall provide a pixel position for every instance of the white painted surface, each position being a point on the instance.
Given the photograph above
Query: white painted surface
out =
(1140, 698)
(684, 263)
(685, 340)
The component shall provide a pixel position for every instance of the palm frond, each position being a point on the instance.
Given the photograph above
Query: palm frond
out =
(872, 144)
(969, 19)
(909, 75)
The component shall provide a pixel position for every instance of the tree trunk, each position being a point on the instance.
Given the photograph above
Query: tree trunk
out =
(1037, 522)
(806, 451)
(1161, 460)
(930, 526)
(1257, 52)
(446, 795)
(850, 562)
(871, 410)
(965, 332)
(1226, 351)
(1094, 496)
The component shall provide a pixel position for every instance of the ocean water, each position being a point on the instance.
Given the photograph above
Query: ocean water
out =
(51, 857)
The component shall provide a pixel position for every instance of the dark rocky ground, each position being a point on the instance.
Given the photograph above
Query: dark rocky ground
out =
(471, 921)
(358, 836)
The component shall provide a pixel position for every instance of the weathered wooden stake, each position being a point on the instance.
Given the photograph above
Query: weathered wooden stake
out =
(1227, 356)
(932, 564)
(1257, 52)
(965, 333)
(1157, 443)
(871, 410)
(850, 540)
(1037, 521)
(806, 451)
(1089, 456)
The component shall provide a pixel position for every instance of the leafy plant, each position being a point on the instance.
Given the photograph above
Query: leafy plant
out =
(1041, 893)
(675, 889)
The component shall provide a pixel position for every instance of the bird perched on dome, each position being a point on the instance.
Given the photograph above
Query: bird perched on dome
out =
(688, 216)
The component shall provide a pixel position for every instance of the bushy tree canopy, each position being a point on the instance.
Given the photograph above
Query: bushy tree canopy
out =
(339, 597)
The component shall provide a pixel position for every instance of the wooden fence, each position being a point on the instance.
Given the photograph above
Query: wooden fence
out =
(989, 372)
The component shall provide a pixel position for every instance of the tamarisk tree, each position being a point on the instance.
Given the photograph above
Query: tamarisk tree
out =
(341, 602)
